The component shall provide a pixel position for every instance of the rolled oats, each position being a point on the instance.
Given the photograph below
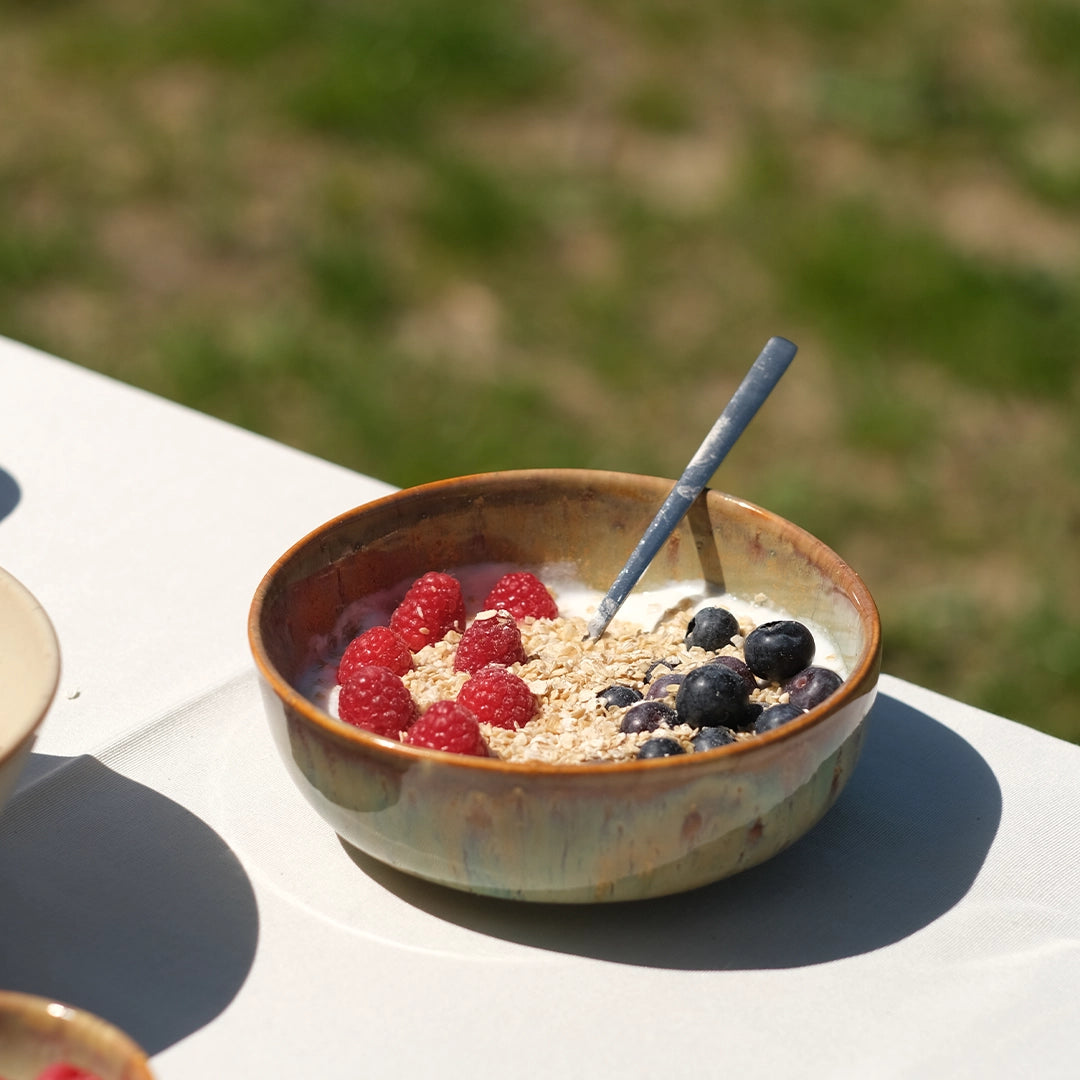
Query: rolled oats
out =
(566, 672)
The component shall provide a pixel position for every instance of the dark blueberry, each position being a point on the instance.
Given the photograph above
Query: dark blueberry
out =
(660, 747)
(775, 716)
(711, 628)
(736, 664)
(618, 696)
(712, 696)
(664, 685)
(812, 686)
(777, 650)
(668, 665)
(709, 738)
(647, 716)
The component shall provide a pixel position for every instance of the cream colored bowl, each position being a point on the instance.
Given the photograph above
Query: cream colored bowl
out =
(29, 672)
(36, 1032)
(573, 833)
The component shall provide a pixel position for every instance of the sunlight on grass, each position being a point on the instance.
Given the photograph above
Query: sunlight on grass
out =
(353, 280)
(1051, 29)
(384, 71)
(879, 291)
(30, 256)
(472, 211)
(659, 107)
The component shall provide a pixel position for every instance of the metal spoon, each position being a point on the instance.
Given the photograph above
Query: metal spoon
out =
(759, 382)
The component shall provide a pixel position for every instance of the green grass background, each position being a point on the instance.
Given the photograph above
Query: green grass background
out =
(436, 237)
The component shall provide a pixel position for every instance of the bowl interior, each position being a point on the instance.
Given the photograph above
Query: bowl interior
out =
(578, 522)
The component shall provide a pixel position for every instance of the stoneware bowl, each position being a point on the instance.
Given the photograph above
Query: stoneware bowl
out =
(29, 671)
(578, 833)
(37, 1032)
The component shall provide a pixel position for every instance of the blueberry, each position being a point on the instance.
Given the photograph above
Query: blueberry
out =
(812, 686)
(779, 649)
(736, 664)
(660, 747)
(709, 738)
(711, 628)
(713, 696)
(663, 685)
(618, 696)
(647, 716)
(775, 716)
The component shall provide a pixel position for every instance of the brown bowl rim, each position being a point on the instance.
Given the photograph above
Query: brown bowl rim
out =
(861, 680)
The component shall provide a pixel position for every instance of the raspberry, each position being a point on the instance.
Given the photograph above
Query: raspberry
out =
(492, 638)
(498, 697)
(432, 606)
(522, 594)
(379, 646)
(448, 726)
(64, 1071)
(377, 700)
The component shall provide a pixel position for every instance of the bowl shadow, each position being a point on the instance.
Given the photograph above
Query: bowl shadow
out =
(10, 493)
(120, 901)
(902, 845)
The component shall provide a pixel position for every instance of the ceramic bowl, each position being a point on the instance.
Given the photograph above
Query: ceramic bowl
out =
(37, 1032)
(577, 833)
(29, 672)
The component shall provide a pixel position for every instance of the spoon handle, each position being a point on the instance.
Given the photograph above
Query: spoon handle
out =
(759, 382)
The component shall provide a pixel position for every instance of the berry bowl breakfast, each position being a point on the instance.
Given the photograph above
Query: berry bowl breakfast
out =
(43, 1039)
(29, 673)
(434, 692)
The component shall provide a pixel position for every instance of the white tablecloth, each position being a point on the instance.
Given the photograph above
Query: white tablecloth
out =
(157, 866)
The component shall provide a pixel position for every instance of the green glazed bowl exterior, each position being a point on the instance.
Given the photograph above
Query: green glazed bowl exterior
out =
(581, 833)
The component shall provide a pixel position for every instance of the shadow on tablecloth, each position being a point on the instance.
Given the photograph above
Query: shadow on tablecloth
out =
(10, 493)
(902, 845)
(116, 899)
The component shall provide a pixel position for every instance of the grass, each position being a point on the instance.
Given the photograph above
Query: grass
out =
(426, 239)
(867, 282)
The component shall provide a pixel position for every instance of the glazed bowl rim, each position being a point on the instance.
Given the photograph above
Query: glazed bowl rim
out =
(861, 680)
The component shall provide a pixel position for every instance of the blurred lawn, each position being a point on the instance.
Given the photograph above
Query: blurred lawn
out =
(430, 238)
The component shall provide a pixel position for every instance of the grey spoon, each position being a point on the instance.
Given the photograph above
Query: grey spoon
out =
(759, 382)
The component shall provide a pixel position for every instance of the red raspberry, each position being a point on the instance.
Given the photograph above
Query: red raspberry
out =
(492, 638)
(498, 697)
(379, 646)
(64, 1071)
(377, 700)
(448, 726)
(432, 606)
(522, 594)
